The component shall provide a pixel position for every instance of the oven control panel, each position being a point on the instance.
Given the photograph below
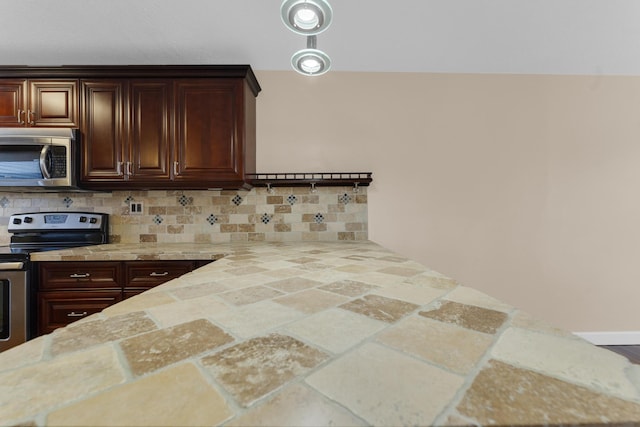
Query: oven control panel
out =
(43, 221)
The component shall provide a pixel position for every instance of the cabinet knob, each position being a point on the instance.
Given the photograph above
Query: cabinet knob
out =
(79, 275)
(74, 314)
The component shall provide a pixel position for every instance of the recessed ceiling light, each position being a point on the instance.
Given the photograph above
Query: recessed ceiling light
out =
(306, 17)
(311, 62)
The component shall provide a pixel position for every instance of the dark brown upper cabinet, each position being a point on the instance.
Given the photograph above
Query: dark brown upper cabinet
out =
(126, 128)
(103, 130)
(45, 103)
(146, 127)
(210, 131)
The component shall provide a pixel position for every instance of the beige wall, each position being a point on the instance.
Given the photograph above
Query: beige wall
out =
(525, 187)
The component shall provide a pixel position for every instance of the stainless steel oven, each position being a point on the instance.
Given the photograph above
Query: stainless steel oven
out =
(14, 307)
(36, 232)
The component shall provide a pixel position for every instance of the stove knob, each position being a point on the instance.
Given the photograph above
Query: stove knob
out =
(83, 219)
(17, 221)
(93, 220)
(28, 219)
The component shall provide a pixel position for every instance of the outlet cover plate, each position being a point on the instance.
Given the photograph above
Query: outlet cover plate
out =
(136, 208)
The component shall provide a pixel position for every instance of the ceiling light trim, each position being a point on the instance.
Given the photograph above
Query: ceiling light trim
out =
(289, 12)
(311, 62)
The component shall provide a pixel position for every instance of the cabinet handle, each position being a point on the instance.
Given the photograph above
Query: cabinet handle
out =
(175, 168)
(154, 274)
(119, 168)
(30, 116)
(74, 314)
(129, 169)
(79, 275)
(20, 112)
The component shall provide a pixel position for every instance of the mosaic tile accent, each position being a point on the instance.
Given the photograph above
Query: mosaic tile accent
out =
(212, 219)
(129, 199)
(237, 200)
(344, 198)
(157, 220)
(67, 201)
(266, 218)
(4, 202)
(291, 199)
(319, 218)
(184, 200)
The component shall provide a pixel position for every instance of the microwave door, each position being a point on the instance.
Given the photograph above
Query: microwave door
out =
(19, 163)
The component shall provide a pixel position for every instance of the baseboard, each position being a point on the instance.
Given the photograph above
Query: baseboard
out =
(611, 338)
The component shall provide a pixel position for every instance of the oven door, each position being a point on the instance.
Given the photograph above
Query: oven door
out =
(13, 305)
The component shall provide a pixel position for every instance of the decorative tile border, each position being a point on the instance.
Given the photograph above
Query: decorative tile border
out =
(281, 214)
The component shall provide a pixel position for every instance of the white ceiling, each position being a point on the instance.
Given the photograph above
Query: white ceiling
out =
(473, 36)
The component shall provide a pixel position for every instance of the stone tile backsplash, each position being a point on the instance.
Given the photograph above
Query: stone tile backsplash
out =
(282, 214)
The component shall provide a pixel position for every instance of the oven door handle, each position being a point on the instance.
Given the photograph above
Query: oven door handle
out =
(5, 266)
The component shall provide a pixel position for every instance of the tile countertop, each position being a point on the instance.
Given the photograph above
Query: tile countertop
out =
(344, 333)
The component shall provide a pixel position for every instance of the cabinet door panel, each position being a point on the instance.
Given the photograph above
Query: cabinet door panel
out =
(149, 137)
(53, 103)
(147, 274)
(208, 144)
(12, 98)
(76, 275)
(103, 129)
(58, 309)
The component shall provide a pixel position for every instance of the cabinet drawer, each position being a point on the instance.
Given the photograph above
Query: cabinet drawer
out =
(147, 274)
(73, 275)
(58, 309)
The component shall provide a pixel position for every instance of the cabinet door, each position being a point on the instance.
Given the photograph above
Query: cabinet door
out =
(58, 309)
(140, 275)
(209, 131)
(72, 275)
(103, 124)
(12, 99)
(149, 131)
(53, 103)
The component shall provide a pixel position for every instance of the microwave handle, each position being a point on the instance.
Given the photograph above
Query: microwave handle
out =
(43, 162)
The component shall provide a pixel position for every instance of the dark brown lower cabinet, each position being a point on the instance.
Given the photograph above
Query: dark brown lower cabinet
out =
(72, 290)
(58, 309)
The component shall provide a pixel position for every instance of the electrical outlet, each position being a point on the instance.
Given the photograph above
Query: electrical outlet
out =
(136, 208)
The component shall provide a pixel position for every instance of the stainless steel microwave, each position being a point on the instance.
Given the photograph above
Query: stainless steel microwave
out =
(38, 159)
